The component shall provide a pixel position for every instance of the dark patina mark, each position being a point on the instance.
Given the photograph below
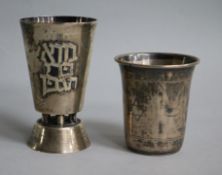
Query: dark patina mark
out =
(28, 30)
(160, 127)
(168, 109)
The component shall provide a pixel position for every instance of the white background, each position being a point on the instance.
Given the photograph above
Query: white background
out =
(190, 27)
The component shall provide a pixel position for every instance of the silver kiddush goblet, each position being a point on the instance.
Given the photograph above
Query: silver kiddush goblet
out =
(58, 54)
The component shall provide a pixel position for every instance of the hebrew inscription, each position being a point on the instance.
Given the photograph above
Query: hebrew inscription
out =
(58, 60)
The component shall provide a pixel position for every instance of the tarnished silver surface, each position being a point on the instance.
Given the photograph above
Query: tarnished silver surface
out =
(156, 93)
(58, 54)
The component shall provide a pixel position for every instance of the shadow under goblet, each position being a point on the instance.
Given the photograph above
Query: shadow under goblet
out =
(13, 129)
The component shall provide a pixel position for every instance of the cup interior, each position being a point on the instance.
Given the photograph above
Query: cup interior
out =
(157, 60)
(58, 19)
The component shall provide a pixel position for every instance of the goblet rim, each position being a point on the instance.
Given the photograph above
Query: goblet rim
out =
(63, 19)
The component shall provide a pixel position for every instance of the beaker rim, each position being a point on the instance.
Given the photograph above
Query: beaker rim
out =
(157, 60)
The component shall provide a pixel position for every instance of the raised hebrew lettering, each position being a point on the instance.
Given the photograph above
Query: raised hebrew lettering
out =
(58, 60)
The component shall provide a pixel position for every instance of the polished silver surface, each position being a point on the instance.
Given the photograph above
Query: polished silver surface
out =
(58, 50)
